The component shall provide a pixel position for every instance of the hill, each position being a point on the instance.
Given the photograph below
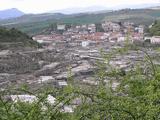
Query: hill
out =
(10, 13)
(155, 8)
(13, 38)
(81, 10)
(33, 24)
(155, 29)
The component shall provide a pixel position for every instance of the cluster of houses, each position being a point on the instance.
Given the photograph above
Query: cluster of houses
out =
(111, 32)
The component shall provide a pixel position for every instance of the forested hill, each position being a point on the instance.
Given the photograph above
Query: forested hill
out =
(155, 29)
(14, 36)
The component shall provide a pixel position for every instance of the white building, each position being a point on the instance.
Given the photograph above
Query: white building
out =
(110, 26)
(116, 27)
(85, 43)
(61, 27)
(147, 38)
(84, 26)
(141, 29)
(40, 41)
(92, 28)
(155, 40)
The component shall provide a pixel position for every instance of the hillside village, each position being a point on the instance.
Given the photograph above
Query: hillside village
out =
(110, 32)
(77, 49)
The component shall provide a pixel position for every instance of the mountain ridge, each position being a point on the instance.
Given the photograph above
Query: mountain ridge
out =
(92, 9)
(10, 13)
(77, 10)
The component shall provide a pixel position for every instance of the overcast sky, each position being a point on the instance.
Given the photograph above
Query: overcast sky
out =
(39, 6)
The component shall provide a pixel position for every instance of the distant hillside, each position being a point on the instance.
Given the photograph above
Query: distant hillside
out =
(138, 6)
(15, 38)
(10, 13)
(155, 29)
(33, 24)
(155, 8)
(81, 10)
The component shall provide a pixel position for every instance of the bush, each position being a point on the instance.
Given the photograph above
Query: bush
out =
(15, 36)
